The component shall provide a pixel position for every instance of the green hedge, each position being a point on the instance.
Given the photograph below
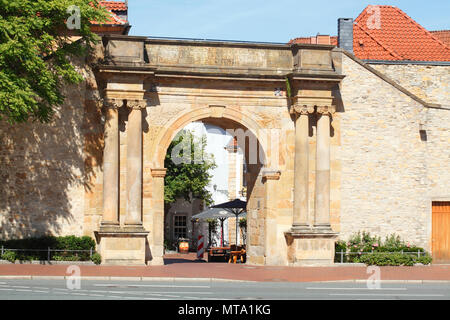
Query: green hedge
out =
(392, 251)
(43, 243)
(393, 259)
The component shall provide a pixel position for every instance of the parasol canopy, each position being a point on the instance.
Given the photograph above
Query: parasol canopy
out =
(217, 213)
(213, 213)
(237, 207)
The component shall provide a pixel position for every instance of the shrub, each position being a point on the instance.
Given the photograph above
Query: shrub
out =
(424, 260)
(96, 258)
(65, 258)
(45, 242)
(9, 255)
(387, 259)
(393, 251)
(340, 246)
(393, 259)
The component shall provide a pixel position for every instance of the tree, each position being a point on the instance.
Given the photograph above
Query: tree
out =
(188, 167)
(36, 47)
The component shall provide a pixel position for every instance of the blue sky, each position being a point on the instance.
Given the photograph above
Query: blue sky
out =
(264, 20)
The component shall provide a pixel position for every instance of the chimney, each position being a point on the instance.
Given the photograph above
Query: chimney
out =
(345, 34)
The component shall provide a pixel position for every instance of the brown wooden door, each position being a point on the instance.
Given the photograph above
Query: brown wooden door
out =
(441, 232)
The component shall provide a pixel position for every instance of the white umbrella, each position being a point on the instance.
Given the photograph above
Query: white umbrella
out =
(213, 213)
(216, 213)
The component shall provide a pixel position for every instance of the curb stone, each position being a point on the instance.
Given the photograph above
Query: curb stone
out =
(177, 279)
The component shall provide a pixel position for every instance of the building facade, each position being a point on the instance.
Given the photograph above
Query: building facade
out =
(332, 145)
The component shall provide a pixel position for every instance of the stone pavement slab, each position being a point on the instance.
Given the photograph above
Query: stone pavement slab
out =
(177, 267)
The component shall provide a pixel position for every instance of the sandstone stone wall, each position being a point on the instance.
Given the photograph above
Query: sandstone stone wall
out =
(390, 172)
(43, 168)
(430, 83)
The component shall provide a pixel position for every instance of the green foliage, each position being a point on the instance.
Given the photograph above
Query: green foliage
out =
(65, 258)
(243, 223)
(35, 54)
(189, 175)
(96, 258)
(212, 224)
(9, 255)
(340, 246)
(392, 251)
(59, 243)
(169, 245)
(363, 242)
(393, 259)
(426, 259)
(288, 87)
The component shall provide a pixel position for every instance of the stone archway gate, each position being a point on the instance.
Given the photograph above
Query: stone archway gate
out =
(283, 94)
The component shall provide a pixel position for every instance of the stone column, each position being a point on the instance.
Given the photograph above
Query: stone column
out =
(322, 197)
(134, 163)
(301, 168)
(156, 238)
(111, 164)
(272, 241)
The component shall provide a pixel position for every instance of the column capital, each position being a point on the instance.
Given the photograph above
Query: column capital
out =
(158, 173)
(326, 110)
(113, 103)
(302, 109)
(137, 104)
(271, 174)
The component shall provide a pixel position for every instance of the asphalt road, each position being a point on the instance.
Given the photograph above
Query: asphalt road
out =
(191, 290)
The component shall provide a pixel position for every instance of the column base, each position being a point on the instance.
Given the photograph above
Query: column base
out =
(310, 248)
(122, 246)
(301, 228)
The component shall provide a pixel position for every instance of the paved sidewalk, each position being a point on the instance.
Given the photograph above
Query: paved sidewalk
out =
(185, 266)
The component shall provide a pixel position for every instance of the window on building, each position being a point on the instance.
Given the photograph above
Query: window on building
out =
(180, 227)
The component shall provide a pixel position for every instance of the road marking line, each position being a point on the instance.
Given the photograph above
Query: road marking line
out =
(165, 286)
(21, 287)
(40, 291)
(184, 292)
(24, 290)
(117, 292)
(149, 286)
(387, 294)
(96, 295)
(399, 289)
(5, 289)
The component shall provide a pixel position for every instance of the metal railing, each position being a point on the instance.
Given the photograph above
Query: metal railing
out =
(47, 253)
(345, 255)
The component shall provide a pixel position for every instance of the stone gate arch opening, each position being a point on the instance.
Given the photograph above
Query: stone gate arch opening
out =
(240, 160)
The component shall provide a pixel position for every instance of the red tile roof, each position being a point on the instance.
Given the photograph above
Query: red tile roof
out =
(443, 35)
(113, 7)
(398, 37)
